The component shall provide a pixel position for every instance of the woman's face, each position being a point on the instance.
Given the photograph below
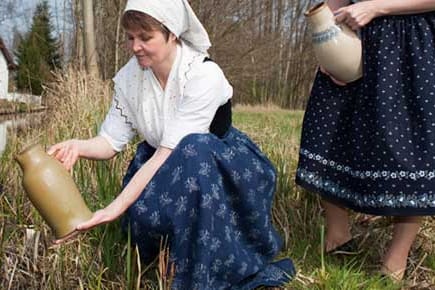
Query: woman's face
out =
(150, 47)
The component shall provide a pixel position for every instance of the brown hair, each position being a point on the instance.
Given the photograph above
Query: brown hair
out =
(134, 20)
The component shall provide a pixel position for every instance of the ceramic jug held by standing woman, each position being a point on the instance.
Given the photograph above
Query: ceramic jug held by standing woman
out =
(336, 46)
(370, 145)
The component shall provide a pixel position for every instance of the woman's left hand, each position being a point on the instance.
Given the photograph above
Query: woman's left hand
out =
(102, 216)
(357, 15)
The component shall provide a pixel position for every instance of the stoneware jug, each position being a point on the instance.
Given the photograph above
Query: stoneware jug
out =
(337, 47)
(52, 191)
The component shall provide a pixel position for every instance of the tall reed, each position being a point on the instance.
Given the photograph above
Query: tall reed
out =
(103, 257)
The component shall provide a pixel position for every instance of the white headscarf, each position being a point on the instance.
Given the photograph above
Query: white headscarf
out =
(178, 17)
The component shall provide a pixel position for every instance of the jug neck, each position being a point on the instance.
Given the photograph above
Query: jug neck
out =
(30, 156)
(320, 16)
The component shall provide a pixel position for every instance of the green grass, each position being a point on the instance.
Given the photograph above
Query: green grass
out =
(298, 216)
(102, 259)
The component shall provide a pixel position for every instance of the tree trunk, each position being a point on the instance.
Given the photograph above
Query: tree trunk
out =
(89, 37)
(117, 41)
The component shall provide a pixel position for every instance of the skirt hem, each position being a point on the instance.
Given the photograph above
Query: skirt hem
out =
(381, 211)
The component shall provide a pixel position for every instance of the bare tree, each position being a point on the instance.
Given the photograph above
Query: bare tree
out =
(89, 37)
(262, 46)
(15, 16)
(78, 51)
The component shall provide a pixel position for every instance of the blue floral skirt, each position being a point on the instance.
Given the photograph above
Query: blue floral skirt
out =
(370, 145)
(211, 200)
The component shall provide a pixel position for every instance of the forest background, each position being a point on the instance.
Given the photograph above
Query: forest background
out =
(262, 46)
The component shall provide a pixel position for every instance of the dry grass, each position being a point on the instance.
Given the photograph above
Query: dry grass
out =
(102, 259)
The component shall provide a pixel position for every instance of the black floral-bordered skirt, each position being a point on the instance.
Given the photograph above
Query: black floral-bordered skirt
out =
(370, 145)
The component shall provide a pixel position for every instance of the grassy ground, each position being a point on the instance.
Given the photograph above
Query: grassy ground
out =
(102, 259)
(299, 217)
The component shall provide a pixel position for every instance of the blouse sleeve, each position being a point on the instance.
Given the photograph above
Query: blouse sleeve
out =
(118, 128)
(204, 92)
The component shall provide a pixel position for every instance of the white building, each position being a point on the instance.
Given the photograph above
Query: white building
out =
(6, 64)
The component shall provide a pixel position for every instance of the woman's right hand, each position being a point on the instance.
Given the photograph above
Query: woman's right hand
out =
(359, 14)
(67, 152)
(337, 82)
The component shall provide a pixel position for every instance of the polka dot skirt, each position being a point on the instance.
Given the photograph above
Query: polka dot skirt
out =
(370, 145)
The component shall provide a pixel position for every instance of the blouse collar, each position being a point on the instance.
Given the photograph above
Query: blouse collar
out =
(185, 59)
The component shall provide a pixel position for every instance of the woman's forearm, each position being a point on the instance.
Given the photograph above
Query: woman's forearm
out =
(140, 180)
(397, 7)
(97, 148)
(361, 13)
(335, 4)
(130, 193)
(69, 151)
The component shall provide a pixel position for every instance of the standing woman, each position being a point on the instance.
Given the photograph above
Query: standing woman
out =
(370, 145)
(194, 180)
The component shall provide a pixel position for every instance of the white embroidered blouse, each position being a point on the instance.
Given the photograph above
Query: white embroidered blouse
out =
(194, 91)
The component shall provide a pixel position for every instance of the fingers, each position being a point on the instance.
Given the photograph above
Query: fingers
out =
(337, 82)
(57, 150)
(347, 15)
(341, 15)
(323, 71)
(92, 223)
(361, 22)
(357, 15)
(98, 218)
(356, 22)
(54, 148)
(66, 152)
(66, 238)
(61, 154)
(87, 225)
(69, 159)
